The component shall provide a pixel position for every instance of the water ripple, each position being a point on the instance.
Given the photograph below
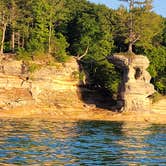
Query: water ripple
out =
(92, 143)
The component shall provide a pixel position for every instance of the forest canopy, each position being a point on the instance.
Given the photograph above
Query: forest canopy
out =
(72, 27)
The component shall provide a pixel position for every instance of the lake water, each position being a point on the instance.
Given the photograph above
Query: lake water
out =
(85, 143)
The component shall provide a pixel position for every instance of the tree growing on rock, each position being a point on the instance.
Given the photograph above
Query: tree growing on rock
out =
(139, 24)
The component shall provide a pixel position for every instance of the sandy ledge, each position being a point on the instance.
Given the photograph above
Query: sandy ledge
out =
(77, 114)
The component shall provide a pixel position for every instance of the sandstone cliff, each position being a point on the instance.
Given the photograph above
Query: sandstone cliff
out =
(135, 88)
(159, 106)
(50, 85)
(52, 91)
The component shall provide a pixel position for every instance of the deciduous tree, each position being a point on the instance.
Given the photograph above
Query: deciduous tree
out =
(4, 20)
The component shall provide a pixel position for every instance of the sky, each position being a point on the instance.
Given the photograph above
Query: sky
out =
(159, 5)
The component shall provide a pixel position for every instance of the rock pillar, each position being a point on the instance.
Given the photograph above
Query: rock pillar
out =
(135, 87)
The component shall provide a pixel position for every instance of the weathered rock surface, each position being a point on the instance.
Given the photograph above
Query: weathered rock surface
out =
(159, 106)
(53, 90)
(50, 85)
(135, 87)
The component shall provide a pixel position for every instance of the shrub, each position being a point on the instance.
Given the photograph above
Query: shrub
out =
(75, 74)
(33, 67)
(39, 55)
(156, 97)
(23, 55)
(58, 48)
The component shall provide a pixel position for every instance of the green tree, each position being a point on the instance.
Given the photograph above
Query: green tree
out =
(4, 20)
(157, 68)
(164, 33)
(39, 29)
(139, 24)
(46, 15)
(55, 14)
(90, 37)
(13, 20)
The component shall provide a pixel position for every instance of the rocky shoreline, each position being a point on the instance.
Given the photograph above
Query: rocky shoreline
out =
(52, 91)
(78, 114)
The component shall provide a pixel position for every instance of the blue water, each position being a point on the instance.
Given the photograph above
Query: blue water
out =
(85, 143)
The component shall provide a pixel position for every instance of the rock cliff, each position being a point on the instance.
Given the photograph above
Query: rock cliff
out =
(135, 88)
(53, 90)
(50, 85)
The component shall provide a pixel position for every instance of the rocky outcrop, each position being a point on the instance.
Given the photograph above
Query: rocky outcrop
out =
(135, 88)
(50, 85)
(55, 87)
(14, 89)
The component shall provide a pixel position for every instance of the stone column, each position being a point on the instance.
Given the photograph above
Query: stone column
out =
(135, 88)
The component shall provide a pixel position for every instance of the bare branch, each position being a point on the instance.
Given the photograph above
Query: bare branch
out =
(137, 38)
(84, 54)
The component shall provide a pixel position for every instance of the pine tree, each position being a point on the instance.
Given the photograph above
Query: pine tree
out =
(141, 23)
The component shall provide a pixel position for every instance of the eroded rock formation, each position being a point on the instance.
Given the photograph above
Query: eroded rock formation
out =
(135, 87)
(50, 85)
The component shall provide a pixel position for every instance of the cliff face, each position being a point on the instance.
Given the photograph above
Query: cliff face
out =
(54, 86)
(159, 106)
(135, 87)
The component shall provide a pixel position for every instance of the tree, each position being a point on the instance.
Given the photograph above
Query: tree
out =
(54, 14)
(39, 28)
(164, 33)
(45, 14)
(13, 21)
(140, 24)
(4, 19)
(157, 68)
(89, 32)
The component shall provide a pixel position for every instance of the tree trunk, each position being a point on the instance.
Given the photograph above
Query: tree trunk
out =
(131, 4)
(3, 38)
(22, 42)
(49, 39)
(18, 40)
(130, 48)
(13, 41)
(131, 26)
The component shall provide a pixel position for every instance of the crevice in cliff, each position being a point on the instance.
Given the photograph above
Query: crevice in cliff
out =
(93, 95)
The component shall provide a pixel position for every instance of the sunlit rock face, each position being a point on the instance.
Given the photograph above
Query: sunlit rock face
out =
(14, 88)
(135, 87)
(55, 85)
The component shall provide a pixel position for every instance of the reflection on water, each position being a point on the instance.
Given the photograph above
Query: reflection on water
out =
(41, 142)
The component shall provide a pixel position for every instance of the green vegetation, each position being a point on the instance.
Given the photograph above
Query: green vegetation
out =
(157, 97)
(35, 29)
(138, 25)
(33, 67)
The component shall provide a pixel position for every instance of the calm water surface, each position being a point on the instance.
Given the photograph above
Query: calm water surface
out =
(89, 143)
